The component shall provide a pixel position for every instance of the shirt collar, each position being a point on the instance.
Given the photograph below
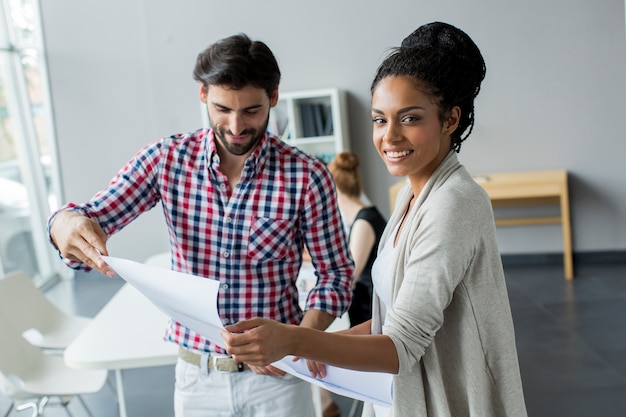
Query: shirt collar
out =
(253, 164)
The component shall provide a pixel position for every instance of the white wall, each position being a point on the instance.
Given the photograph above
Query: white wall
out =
(553, 96)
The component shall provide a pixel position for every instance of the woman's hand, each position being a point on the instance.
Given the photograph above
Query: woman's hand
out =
(258, 342)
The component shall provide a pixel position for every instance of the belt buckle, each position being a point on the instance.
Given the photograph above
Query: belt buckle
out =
(214, 360)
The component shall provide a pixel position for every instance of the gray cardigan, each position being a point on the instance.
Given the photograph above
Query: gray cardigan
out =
(451, 320)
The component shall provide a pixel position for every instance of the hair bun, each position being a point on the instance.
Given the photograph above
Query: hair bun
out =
(345, 171)
(347, 160)
(436, 34)
(444, 36)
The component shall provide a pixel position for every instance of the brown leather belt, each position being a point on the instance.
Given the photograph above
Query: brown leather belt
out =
(216, 363)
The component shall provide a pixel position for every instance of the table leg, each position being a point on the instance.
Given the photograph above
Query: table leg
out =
(568, 261)
(121, 400)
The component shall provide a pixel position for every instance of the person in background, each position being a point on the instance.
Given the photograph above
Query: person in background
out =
(240, 206)
(441, 321)
(365, 227)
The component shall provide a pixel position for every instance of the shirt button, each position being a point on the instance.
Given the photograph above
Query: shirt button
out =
(222, 186)
(225, 322)
(226, 254)
(228, 220)
(224, 286)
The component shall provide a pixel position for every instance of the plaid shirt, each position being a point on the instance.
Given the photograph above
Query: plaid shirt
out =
(250, 238)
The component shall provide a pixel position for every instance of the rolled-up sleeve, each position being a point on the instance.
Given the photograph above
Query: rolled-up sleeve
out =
(327, 244)
(131, 192)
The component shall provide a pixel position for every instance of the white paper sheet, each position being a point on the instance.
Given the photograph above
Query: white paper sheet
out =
(372, 387)
(188, 299)
(192, 301)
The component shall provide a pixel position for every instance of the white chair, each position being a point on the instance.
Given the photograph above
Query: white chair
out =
(29, 377)
(37, 318)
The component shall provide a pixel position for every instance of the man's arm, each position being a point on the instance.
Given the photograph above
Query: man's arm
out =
(80, 231)
(316, 319)
(327, 245)
(79, 238)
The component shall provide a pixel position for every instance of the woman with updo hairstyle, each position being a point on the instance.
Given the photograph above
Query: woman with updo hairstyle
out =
(441, 319)
(345, 170)
(446, 65)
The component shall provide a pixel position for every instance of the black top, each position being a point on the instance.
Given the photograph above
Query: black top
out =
(361, 306)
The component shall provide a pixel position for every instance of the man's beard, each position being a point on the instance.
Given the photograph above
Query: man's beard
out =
(240, 148)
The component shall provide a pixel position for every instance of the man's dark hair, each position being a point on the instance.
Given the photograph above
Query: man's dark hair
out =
(237, 62)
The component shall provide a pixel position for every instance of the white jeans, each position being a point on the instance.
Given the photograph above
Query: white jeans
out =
(207, 393)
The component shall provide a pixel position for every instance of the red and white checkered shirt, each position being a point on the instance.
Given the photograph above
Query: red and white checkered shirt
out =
(250, 238)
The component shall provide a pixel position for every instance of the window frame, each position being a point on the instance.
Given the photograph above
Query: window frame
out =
(42, 199)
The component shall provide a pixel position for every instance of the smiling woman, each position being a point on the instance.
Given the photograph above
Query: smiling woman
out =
(408, 133)
(441, 321)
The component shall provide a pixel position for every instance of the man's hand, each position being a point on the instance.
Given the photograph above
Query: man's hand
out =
(79, 238)
(267, 370)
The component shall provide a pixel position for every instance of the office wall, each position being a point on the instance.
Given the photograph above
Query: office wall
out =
(553, 96)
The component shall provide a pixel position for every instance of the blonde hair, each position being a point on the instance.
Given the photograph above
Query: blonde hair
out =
(345, 170)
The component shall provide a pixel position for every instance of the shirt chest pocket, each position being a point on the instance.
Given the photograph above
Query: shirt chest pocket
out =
(270, 238)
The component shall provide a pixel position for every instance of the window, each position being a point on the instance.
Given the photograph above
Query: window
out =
(29, 177)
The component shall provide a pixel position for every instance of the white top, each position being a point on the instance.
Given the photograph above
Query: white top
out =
(381, 273)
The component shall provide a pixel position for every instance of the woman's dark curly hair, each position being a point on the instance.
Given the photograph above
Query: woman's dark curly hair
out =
(237, 62)
(445, 64)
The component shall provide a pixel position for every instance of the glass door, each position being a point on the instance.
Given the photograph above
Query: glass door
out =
(29, 179)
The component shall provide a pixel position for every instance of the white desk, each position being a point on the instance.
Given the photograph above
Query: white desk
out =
(126, 333)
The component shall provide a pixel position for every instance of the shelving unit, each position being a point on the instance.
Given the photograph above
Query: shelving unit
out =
(314, 121)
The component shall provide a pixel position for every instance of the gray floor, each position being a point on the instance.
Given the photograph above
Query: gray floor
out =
(571, 340)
